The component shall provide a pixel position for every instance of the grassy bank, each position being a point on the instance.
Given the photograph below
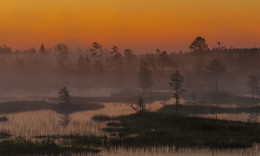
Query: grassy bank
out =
(200, 109)
(159, 129)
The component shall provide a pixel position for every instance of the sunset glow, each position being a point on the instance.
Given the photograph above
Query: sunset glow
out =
(139, 24)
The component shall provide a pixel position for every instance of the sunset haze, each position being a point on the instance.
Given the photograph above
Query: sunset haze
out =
(139, 24)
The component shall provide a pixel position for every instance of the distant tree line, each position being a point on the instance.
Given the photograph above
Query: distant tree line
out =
(200, 62)
(98, 59)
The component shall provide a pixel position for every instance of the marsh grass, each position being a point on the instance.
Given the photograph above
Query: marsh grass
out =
(49, 147)
(161, 129)
(118, 126)
(201, 109)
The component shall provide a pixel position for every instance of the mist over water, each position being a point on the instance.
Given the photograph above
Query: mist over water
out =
(57, 92)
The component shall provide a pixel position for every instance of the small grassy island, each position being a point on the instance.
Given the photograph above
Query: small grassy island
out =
(160, 129)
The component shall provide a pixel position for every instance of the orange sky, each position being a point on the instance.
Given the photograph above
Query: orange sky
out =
(140, 24)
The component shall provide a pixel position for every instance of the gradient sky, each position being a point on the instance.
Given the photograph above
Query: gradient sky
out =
(140, 24)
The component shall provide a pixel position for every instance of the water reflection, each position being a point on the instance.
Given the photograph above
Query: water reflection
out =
(49, 122)
(65, 119)
(69, 121)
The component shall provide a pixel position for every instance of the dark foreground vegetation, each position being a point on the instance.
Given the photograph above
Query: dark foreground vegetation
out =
(159, 129)
(193, 110)
(22, 146)
(150, 129)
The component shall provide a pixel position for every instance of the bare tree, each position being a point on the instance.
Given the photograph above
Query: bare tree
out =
(176, 80)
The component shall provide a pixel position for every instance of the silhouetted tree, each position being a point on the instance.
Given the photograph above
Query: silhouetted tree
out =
(145, 76)
(62, 51)
(42, 49)
(31, 51)
(215, 68)
(199, 45)
(157, 52)
(5, 50)
(176, 80)
(116, 61)
(253, 84)
(129, 60)
(163, 60)
(64, 95)
(140, 107)
(95, 47)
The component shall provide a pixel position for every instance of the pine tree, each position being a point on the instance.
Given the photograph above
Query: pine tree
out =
(176, 80)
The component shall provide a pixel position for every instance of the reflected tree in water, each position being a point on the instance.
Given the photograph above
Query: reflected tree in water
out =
(65, 98)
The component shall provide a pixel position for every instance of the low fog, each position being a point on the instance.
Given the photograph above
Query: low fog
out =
(99, 72)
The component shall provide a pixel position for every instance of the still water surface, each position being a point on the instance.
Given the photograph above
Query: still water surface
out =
(47, 122)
